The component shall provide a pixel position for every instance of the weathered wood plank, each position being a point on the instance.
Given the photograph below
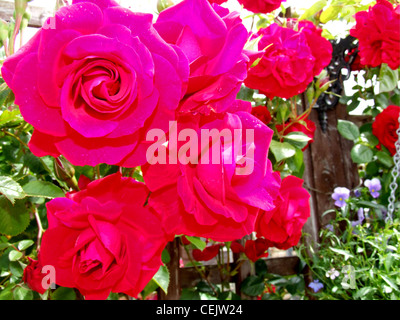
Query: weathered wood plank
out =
(38, 13)
(283, 266)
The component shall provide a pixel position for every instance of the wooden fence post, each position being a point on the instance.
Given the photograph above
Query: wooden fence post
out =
(174, 289)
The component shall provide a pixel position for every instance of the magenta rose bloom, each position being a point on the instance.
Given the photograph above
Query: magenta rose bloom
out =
(282, 226)
(378, 34)
(291, 59)
(217, 198)
(93, 85)
(103, 239)
(213, 39)
(261, 6)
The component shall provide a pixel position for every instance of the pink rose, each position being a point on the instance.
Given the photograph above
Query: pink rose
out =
(103, 239)
(291, 59)
(378, 34)
(96, 83)
(217, 200)
(261, 6)
(213, 39)
(282, 226)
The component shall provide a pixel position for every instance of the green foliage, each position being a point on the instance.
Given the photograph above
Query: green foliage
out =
(369, 250)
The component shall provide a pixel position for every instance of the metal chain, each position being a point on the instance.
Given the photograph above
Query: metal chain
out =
(395, 174)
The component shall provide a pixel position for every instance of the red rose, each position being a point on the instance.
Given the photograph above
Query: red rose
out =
(207, 254)
(93, 85)
(290, 61)
(236, 247)
(320, 48)
(262, 113)
(261, 6)
(356, 64)
(282, 226)
(301, 125)
(378, 34)
(33, 276)
(385, 126)
(102, 239)
(256, 249)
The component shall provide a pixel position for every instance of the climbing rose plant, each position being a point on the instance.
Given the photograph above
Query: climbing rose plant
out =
(122, 131)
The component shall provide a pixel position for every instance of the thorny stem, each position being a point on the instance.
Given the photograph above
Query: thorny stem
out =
(305, 114)
(40, 229)
(15, 137)
(98, 171)
(15, 33)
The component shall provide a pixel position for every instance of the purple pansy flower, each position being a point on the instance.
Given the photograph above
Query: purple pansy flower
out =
(360, 216)
(340, 195)
(374, 186)
(316, 285)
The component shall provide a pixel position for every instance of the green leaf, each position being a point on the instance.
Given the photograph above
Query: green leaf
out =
(13, 218)
(25, 244)
(7, 293)
(33, 163)
(344, 253)
(8, 116)
(162, 278)
(14, 255)
(149, 288)
(11, 189)
(165, 256)
(315, 8)
(348, 129)
(206, 296)
(253, 286)
(389, 282)
(197, 242)
(296, 163)
(361, 154)
(21, 293)
(189, 294)
(330, 13)
(5, 93)
(371, 138)
(63, 293)
(297, 139)
(261, 267)
(385, 159)
(388, 78)
(245, 94)
(16, 268)
(43, 189)
(282, 150)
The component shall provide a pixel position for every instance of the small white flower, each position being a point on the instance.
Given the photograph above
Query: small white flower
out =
(333, 273)
(387, 289)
